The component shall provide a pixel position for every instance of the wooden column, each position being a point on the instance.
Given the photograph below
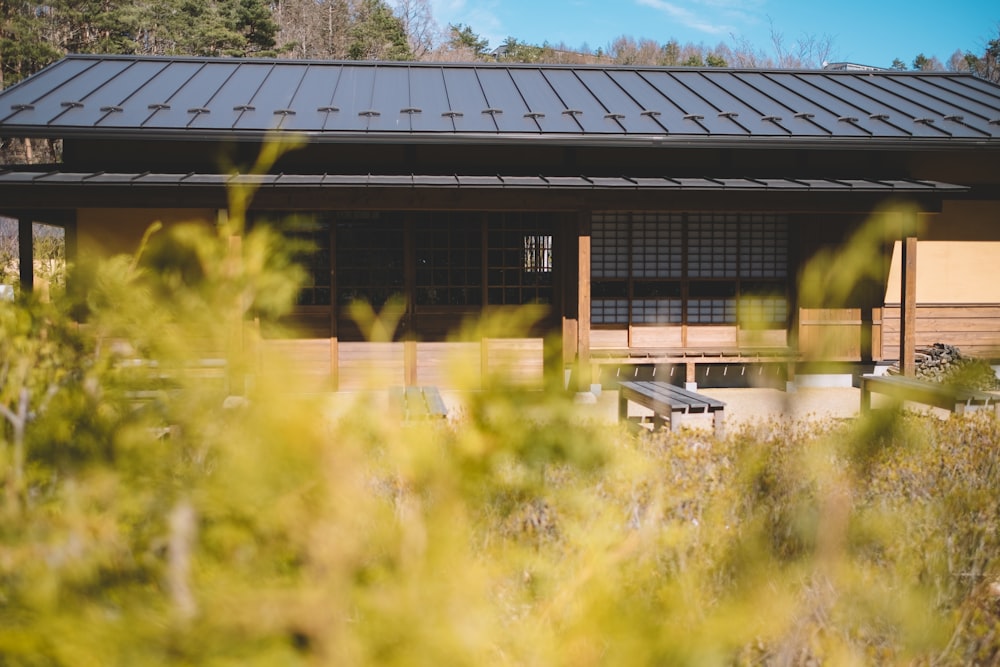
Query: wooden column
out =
(584, 372)
(334, 305)
(26, 254)
(908, 308)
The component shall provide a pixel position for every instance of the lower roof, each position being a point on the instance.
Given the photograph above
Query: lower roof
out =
(102, 179)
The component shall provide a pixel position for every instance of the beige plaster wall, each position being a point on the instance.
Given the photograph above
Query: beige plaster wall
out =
(950, 272)
(958, 256)
(107, 232)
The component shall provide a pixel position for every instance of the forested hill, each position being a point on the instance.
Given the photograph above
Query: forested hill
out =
(34, 33)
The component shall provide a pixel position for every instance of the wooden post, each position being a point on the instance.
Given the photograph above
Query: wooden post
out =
(334, 305)
(26, 254)
(410, 361)
(908, 308)
(584, 372)
(334, 364)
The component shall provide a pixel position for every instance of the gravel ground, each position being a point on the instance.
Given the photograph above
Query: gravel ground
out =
(753, 405)
(743, 406)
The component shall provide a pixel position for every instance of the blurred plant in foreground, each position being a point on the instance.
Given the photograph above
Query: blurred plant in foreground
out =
(148, 521)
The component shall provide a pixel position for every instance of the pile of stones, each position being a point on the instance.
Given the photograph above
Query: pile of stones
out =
(944, 363)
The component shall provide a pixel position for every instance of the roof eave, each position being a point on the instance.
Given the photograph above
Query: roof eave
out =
(551, 139)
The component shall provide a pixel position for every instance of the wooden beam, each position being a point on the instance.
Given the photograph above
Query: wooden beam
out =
(26, 254)
(584, 372)
(908, 326)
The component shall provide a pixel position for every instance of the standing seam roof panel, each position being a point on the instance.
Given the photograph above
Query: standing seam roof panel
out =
(161, 94)
(696, 112)
(902, 113)
(849, 105)
(391, 94)
(802, 98)
(540, 97)
(270, 99)
(663, 111)
(31, 90)
(505, 96)
(111, 100)
(975, 113)
(142, 103)
(918, 103)
(195, 93)
(465, 93)
(52, 108)
(618, 101)
(719, 96)
(991, 114)
(313, 93)
(797, 113)
(353, 98)
(428, 93)
(80, 93)
(231, 102)
(593, 116)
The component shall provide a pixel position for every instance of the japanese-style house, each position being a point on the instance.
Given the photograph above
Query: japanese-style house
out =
(660, 217)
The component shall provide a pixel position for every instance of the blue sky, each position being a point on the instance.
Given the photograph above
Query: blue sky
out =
(870, 32)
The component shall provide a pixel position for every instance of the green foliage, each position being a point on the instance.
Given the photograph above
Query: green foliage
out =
(378, 34)
(461, 37)
(144, 519)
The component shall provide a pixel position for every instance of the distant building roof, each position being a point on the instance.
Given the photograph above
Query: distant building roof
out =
(851, 67)
(149, 97)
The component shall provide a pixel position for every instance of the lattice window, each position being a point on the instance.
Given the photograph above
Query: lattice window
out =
(711, 311)
(675, 268)
(449, 259)
(538, 253)
(609, 236)
(657, 311)
(763, 310)
(764, 247)
(509, 280)
(609, 311)
(713, 246)
(369, 257)
(310, 242)
(657, 246)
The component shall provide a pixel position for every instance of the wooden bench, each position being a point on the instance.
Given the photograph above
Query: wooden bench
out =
(669, 402)
(417, 403)
(945, 396)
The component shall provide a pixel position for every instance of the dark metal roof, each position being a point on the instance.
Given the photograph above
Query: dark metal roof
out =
(146, 179)
(108, 96)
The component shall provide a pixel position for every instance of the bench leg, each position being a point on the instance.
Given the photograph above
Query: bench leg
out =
(720, 425)
(658, 421)
(675, 422)
(622, 406)
(866, 399)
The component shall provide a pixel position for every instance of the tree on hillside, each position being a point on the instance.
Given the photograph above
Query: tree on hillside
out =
(419, 25)
(24, 46)
(987, 65)
(924, 64)
(377, 34)
(313, 29)
(464, 43)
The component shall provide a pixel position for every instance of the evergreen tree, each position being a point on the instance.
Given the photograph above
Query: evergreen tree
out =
(377, 34)
(461, 38)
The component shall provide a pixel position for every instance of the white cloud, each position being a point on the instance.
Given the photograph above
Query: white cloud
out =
(714, 17)
(480, 16)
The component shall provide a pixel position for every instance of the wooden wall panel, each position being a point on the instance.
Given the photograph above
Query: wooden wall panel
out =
(973, 328)
(830, 334)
